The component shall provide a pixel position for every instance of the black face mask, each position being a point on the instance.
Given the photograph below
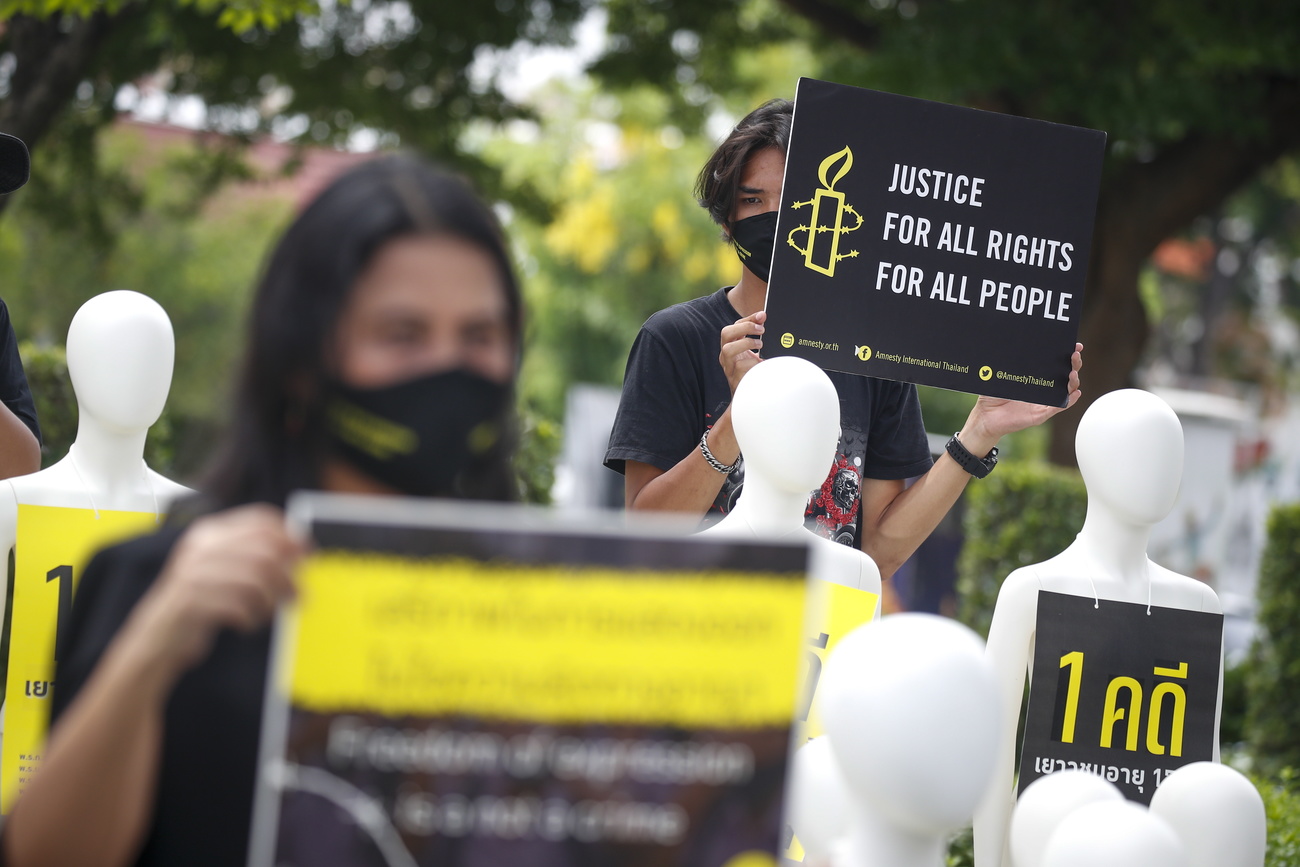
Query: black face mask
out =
(755, 237)
(432, 436)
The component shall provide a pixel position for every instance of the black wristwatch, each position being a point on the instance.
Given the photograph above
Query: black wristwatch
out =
(977, 467)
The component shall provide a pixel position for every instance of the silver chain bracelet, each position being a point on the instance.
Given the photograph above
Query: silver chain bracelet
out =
(714, 462)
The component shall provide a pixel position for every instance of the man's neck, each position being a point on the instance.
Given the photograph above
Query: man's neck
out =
(749, 295)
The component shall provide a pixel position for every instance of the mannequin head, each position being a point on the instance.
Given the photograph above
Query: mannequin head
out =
(1216, 812)
(891, 696)
(1045, 804)
(120, 355)
(1114, 834)
(786, 414)
(1130, 450)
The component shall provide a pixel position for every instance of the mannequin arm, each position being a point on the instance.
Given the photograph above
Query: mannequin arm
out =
(20, 453)
(1010, 636)
(691, 485)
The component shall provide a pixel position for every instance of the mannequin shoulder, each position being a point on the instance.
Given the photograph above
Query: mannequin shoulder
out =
(1180, 591)
(840, 564)
(1022, 586)
(56, 485)
(168, 490)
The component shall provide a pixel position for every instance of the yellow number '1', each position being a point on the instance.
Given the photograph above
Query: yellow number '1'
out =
(1073, 661)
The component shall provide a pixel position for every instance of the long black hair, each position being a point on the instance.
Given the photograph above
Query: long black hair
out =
(277, 441)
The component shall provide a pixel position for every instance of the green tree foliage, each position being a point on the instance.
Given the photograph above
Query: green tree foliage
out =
(1282, 812)
(1197, 97)
(238, 15)
(624, 239)
(1273, 687)
(1023, 513)
(400, 70)
(197, 256)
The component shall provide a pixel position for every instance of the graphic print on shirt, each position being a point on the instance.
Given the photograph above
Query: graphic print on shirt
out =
(832, 510)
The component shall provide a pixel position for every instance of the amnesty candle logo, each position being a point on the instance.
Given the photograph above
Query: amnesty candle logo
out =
(829, 210)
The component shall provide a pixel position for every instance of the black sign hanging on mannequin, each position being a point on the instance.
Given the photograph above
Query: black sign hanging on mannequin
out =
(1126, 692)
(932, 243)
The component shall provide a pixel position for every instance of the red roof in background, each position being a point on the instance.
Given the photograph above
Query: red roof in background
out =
(267, 159)
(1182, 258)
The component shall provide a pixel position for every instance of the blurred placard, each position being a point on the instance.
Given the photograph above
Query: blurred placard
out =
(468, 684)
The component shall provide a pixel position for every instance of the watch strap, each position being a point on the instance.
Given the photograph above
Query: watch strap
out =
(977, 467)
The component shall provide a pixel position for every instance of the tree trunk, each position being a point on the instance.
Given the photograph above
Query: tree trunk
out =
(52, 57)
(1141, 205)
(1113, 328)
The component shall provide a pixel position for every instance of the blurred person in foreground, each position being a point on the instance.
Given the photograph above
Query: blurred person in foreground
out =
(390, 299)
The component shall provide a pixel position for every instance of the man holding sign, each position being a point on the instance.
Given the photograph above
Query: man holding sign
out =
(673, 436)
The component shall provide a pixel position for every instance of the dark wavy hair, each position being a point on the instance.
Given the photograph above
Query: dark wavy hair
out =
(767, 126)
(277, 442)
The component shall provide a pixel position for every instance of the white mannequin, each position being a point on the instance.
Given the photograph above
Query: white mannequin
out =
(1045, 803)
(1114, 834)
(120, 354)
(1129, 446)
(818, 800)
(910, 706)
(1216, 812)
(786, 416)
(120, 350)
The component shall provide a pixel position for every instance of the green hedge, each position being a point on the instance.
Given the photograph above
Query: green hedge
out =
(56, 405)
(1282, 811)
(1023, 513)
(1273, 674)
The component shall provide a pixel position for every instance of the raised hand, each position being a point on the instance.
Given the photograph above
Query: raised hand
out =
(228, 570)
(741, 342)
(996, 417)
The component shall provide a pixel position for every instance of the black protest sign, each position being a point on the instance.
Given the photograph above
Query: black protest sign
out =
(480, 685)
(932, 243)
(1129, 695)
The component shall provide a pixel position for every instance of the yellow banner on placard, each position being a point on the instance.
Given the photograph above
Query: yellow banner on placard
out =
(841, 610)
(550, 644)
(52, 545)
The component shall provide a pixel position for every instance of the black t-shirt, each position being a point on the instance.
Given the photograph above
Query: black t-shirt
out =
(13, 381)
(674, 389)
(204, 801)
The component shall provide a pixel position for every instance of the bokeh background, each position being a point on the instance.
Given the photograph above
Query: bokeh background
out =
(172, 140)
